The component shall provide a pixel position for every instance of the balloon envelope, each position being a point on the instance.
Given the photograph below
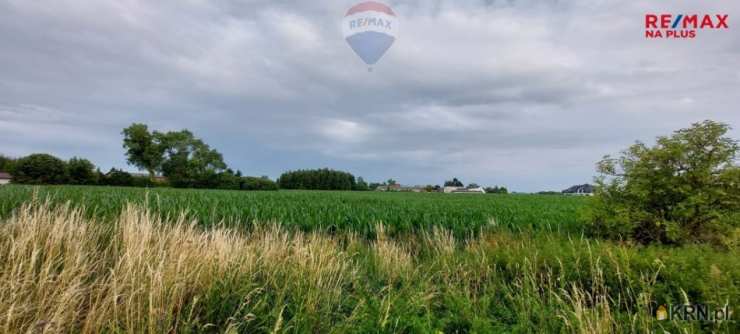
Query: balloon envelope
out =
(370, 29)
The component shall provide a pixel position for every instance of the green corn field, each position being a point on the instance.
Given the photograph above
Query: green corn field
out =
(127, 260)
(323, 211)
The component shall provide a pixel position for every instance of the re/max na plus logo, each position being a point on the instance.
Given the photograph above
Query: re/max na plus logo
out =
(682, 26)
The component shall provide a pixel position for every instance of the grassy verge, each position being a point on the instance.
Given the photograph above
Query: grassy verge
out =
(62, 271)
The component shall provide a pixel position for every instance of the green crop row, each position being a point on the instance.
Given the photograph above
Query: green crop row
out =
(323, 211)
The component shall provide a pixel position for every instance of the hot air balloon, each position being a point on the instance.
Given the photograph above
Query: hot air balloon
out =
(370, 29)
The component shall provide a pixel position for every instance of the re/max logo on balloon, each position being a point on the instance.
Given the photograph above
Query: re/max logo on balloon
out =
(682, 26)
(370, 28)
(370, 21)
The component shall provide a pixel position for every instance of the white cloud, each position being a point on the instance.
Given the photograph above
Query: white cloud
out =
(343, 131)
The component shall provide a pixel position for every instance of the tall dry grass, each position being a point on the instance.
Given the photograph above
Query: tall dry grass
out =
(61, 272)
(140, 273)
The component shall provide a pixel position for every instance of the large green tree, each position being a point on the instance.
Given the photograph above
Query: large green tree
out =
(685, 188)
(144, 149)
(185, 160)
(190, 162)
(454, 183)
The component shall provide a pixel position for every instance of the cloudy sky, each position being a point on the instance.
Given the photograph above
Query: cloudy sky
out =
(528, 94)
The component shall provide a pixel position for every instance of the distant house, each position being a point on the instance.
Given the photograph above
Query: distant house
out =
(417, 189)
(478, 190)
(391, 187)
(157, 178)
(450, 190)
(464, 190)
(5, 178)
(580, 190)
(412, 189)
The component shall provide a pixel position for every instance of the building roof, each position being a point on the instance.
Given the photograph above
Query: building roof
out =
(5, 176)
(580, 189)
(463, 190)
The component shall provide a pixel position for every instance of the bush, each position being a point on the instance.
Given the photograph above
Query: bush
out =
(118, 178)
(39, 169)
(81, 171)
(497, 190)
(229, 180)
(146, 182)
(6, 163)
(684, 189)
(257, 184)
(184, 180)
(318, 179)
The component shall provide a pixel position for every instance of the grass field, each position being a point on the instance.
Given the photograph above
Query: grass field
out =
(128, 260)
(325, 211)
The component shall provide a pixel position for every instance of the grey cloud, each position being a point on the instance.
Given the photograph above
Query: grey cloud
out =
(524, 93)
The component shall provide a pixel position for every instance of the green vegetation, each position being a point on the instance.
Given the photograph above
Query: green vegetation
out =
(184, 160)
(81, 171)
(45, 169)
(257, 184)
(454, 183)
(6, 163)
(144, 149)
(324, 211)
(138, 272)
(40, 169)
(684, 189)
(113, 259)
(497, 190)
(317, 179)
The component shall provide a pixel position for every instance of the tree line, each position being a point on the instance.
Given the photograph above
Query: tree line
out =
(179, 159)
(321, 179)
(171, 159)
(188, 162)
(40, 168)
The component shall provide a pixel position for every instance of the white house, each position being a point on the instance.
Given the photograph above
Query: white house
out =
(4, 178)
(580, 190)
(463, 190)
(478, 190)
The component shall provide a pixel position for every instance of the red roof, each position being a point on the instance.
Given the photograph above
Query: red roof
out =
(5, 176)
